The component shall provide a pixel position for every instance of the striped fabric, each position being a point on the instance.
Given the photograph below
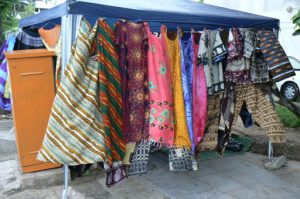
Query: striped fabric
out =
(273, 53)
(75, 134)
(110, 91)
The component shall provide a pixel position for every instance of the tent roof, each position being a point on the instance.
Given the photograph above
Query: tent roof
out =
(182, 13)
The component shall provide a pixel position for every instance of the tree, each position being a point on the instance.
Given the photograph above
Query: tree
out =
(296, 21)
(9, 11)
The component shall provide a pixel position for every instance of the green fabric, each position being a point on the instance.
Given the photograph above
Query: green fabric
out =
(246, 141)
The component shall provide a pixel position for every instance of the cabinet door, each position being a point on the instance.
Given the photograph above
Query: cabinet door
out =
(32, 85)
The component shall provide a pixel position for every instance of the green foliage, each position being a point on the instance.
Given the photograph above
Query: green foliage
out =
(288, 118)
(9, 9)
(296, 21)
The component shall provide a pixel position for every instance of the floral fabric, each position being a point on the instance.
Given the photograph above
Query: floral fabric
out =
(135, 78)
(161, 129)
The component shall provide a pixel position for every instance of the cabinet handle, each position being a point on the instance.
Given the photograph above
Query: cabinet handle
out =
(33, 73)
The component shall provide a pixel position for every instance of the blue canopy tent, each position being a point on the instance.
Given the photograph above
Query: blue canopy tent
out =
(173, 13)
(185, 14)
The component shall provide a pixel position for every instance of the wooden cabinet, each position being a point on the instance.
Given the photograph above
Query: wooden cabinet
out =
(32, 85)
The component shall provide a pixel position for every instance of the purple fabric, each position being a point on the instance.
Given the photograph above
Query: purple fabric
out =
(5, 103)
(120, 35)
(187, 56)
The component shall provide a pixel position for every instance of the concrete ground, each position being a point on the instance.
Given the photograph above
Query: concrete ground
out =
(234, 177)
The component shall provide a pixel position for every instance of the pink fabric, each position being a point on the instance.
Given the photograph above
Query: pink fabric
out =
(199, 97)
(161, 129)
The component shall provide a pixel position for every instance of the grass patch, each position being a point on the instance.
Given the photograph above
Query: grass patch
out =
(288, 118)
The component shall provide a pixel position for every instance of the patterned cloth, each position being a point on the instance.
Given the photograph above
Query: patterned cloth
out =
(273, 53)
(210, 139)
(199, 95)
(259, 69)
(140, 158)
(137, 79)
(110, 91)
(181, 131)
(262, 110)
(238, 71)
(211, 54)
(75, 133)
(187, 65)
(161, 128)
(5, 103)
(180, 160)
(249, 43)
(116, 175)
(28, 39)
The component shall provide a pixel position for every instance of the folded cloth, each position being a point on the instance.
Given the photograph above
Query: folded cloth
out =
(140, 158)
(234, 145)
(180, 159)
(115, 174)
(130, 147)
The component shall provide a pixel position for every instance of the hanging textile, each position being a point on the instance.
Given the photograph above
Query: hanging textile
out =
(262, 110)
(211, 54)
(238, 71)
(5, 101)
(181, 131)
(249, 42)
(136, 82)
(187, 56)
(210, 139)
(259, 69)
(110, 92)
(75, 134)
(199, 95)
(278, 63)
(161, 129)
(53, 42)
(50, 37)
(28, 38)
(120, 36)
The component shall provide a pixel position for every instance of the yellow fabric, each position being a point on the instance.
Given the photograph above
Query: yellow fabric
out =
(6, 90)
(182, 138)
(130, 147)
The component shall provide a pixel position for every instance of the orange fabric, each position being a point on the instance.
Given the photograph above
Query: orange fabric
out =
(182, 138)
(51, 36)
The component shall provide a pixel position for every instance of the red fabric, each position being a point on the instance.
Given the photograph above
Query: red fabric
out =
(199, 96)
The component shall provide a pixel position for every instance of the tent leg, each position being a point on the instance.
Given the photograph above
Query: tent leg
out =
(270, 150)
(66, 178)
(69, 31)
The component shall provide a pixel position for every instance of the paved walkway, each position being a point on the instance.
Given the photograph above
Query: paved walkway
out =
(235, 177)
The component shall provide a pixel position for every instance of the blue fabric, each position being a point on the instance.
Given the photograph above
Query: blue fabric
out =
(187, 56)
(172, 13)
(5, 103)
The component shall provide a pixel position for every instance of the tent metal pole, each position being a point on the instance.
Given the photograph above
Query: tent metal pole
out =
(270, 150)
(69, 31)
(66, 177)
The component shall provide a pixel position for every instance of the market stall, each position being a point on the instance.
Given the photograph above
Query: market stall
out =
(220, 72)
